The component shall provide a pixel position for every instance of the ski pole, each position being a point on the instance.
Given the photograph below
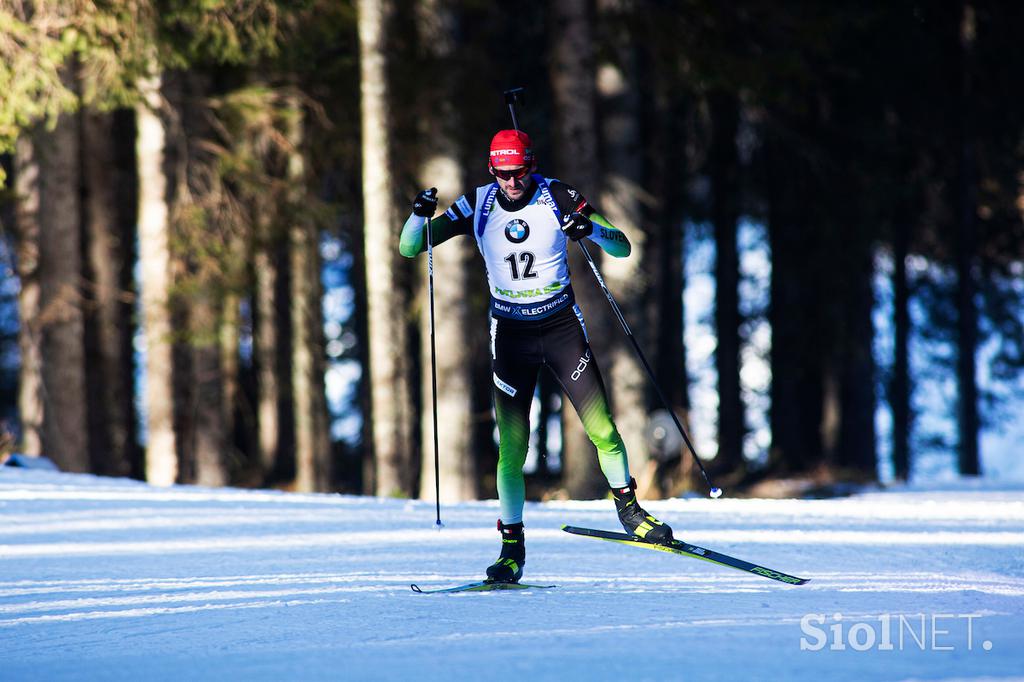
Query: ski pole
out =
(433, 371)
(511, 98)
(714, 491)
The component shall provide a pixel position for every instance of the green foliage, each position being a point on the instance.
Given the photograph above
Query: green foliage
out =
(113, 44)
(221, 31)
(32, 54)
(107, 42)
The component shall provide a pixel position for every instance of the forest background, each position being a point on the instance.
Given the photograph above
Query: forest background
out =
(200, 280)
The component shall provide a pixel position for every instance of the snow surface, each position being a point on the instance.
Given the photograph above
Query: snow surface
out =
(107, 579)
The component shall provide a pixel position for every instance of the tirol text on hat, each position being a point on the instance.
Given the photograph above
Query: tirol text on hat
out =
(511, 148)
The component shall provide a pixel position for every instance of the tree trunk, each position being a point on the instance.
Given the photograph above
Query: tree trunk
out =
(547, 391)
(271, 343)
(155, 283)
(198, 390)
(621, 201)
(965, 202)
(797, 387)
(108, 325)
(313, 471)
(208, 437)
(265, 343)
(899, 385)
(66, 438)
(205, 391)
(856, 450)
(31, 406)
(575, 134)
(438, 26)
(390, 382)
(230, 369)
(724, 172)
(360, 323)
(844, 328)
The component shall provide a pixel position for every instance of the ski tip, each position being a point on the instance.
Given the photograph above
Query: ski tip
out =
(789, 579)
(416, 588)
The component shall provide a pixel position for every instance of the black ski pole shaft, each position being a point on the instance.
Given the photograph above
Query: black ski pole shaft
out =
(433, 370)
(714, 491)
(511, 98)
(512, 111)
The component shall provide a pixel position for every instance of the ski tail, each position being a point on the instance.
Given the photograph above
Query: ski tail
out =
(481, 586)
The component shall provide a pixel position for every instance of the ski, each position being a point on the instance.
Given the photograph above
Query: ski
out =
(482, 586)
(686, 549)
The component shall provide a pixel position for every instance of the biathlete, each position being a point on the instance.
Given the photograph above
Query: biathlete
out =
(522, 223)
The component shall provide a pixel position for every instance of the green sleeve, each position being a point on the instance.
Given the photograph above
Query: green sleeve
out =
(413, 240)
(608, 237)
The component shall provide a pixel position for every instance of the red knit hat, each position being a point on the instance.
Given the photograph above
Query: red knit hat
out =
(511, 148)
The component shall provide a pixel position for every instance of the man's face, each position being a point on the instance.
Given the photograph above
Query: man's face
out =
(514, 181)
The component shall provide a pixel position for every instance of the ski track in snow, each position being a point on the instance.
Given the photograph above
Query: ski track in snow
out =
(106, 579)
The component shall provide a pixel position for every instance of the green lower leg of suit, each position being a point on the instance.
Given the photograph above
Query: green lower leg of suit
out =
(514, 432)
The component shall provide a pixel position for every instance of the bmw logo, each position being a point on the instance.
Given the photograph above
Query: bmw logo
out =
(517, 231)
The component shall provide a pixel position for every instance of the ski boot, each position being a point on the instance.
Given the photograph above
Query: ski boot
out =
(635, 520)
(509, 566)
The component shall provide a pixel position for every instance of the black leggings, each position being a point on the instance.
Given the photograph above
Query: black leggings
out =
(518, 351)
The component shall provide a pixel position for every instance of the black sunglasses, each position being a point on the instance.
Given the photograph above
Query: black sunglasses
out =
(511, 174)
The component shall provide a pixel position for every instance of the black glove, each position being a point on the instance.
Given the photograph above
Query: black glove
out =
(425, 203)
(577, 226)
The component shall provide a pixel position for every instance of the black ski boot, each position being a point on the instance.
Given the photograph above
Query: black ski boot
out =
(635, 520)
(509, 566)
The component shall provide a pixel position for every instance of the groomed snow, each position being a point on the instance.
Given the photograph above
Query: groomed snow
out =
(104, 579)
